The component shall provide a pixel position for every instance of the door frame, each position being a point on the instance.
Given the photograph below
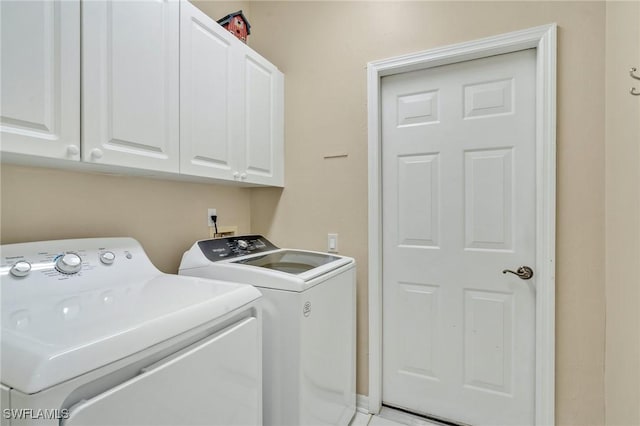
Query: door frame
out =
(544, 40)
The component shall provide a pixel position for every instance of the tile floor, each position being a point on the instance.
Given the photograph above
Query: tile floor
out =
(389, 417)
(362, 419)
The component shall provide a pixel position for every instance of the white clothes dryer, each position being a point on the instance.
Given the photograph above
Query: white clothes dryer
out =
(94, 334)
(309, 324)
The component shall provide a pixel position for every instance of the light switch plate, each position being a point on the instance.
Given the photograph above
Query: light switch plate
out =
(332, 243)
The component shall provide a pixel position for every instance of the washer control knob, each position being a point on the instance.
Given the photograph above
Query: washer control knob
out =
(242, 244)
(107, 257)
(69, 263)
(20, 268)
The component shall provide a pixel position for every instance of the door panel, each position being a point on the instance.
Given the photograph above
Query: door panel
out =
(130, 83)
(418, 204)
(488, 201)
(458, 182)
(40, 77)
(488, 341)
(421, 303)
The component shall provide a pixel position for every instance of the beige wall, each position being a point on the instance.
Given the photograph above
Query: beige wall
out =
(323, 47)
(165, 216)
(622, 368)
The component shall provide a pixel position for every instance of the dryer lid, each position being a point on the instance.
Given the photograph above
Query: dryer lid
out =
(57, 327)
(48, 340)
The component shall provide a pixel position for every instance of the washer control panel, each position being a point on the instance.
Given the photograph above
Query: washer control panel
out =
(232, 247)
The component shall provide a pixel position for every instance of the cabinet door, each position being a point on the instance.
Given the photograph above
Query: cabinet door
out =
(263, 115)
(209, 99)
(40, 76)
(130, 83)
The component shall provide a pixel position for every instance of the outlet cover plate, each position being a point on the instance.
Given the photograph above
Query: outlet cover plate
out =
(210, 212)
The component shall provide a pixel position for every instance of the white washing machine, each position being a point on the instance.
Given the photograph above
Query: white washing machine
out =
(94, 334)
(309, 324)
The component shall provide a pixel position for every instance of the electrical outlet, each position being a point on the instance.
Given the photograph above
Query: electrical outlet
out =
(210, 212)
(332, 243)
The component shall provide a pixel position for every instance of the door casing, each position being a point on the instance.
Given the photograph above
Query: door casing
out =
(544, 40)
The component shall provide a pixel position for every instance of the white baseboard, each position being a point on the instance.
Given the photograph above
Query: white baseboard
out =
(362, 403)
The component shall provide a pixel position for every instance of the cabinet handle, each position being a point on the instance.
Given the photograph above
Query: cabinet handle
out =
(243, 176)
(72, 150)
(96, 153)
(236, 175)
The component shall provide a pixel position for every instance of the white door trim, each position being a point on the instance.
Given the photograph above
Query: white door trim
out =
(543, 39)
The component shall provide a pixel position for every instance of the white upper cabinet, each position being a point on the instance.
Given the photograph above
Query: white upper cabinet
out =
(209, 98)
(164, 89)
(130, 83)
(40, 89)
(231, 106)
(263, 121)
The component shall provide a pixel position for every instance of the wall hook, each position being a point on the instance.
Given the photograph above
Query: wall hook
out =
(632, 73)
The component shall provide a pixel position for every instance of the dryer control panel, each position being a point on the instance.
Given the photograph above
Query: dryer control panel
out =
(71, 259)
(231, 247)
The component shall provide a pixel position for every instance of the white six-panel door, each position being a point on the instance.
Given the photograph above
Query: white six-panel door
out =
(40, 76)
(131, 83)
(458, 184)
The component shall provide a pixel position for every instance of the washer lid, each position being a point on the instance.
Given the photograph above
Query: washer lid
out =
(282, 269)
(50, 337)
(294, 262)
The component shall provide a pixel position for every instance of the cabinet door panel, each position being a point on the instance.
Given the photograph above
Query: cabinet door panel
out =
(209, 104)
(130, 82)
(40, 87)
(263, 121)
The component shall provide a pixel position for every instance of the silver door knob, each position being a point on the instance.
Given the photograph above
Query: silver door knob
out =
(523, 272)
